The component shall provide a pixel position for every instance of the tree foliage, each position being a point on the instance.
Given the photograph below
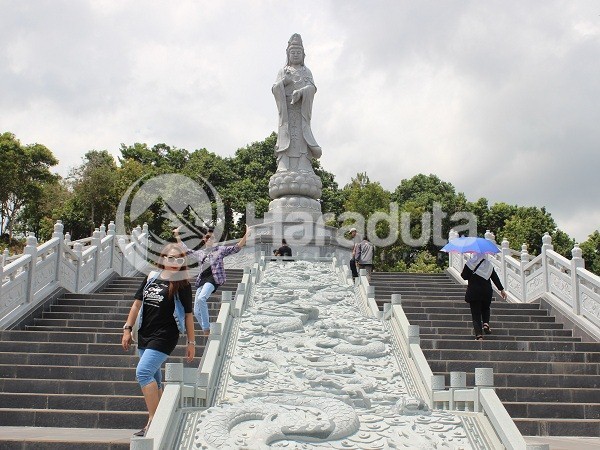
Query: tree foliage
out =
(32, 199)
(24, 171)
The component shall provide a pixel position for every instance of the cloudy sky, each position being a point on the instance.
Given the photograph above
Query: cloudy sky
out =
(499, 98)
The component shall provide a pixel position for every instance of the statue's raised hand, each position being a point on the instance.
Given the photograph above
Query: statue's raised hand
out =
(287, 78)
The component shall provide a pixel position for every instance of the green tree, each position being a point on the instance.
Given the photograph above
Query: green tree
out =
(163, 156)
(41, 214)
(424, 262)
(95, 186)
(364, 196)
(527, 226)
(591, 252)
(253, 165)
(496, 218)
(425, 200)
(23, 172)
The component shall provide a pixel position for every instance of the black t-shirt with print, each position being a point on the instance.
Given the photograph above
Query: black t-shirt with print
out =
(159, 330)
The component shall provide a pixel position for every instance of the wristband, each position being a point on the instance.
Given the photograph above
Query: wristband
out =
(191, 343)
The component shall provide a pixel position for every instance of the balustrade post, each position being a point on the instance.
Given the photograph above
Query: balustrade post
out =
(67, 237)
(490, 236)
(576, 262)
(102, 231)
(112, 233)
(58, 234)
(524, 261)
(458, 381)
(453, 235)
(546, 245)
(78, 252)
(31, 250)
(145, 241)
(438, 383)
(505, 251)
(484, 378)
(95, 242)
(2, 264)
(121, 244)
(135, 239)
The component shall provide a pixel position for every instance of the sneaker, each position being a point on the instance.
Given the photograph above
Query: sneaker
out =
(487, 329)
(479, 337)
(141, 433)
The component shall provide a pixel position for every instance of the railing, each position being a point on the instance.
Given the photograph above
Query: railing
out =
(196, 388)
(549, 274)
(480, 398)
(28, 279)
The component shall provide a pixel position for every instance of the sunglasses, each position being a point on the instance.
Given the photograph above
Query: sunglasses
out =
(174, 259)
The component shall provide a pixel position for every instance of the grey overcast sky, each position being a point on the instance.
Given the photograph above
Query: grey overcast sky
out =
(499, 98)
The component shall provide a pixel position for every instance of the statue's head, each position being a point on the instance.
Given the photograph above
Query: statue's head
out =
(295, 50)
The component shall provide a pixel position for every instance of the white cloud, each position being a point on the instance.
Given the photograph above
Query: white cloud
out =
(498, 98)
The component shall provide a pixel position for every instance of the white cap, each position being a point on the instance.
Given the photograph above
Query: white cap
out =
(352, 229)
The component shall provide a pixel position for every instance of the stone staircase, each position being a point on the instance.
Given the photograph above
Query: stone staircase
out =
(548, 380)
(67, 368)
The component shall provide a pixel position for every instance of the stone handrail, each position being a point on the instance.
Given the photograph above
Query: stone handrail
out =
(28, 279)
(197, 387)
(574, 289)
(481, 398)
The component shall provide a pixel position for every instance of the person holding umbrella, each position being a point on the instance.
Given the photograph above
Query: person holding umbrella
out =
(480, 274)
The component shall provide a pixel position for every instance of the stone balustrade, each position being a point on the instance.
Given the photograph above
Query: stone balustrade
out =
(75, 266)
(526, 278)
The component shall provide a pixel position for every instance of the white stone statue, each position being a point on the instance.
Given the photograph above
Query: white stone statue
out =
(294, 187)
(294, 92)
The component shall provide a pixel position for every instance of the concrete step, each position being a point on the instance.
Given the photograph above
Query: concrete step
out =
(129, 419)
(57, 438)
(506, 355)
(461, 311)
(440, 326)
(547, 378)
(442, 342)
(67, 386)
(71, 401)
(468, 336)
(468, 329)
(530, 368)
(558, 427)
(496, 319)
(65, 359)
(548, 395)
(585, 411)
(83, 348)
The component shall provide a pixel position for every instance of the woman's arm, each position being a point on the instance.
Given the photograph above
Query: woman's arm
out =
(498, 284)
(130, 322)
(244, 239)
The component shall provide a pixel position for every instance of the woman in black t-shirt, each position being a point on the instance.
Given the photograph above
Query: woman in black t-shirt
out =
(158, 332)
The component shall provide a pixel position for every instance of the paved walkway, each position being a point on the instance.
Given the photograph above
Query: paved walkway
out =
(566, 443)
(44, 434)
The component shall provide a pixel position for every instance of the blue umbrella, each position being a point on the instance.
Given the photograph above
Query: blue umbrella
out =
(467, 244)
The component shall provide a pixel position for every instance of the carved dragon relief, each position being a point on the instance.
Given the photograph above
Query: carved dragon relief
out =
(309, 371)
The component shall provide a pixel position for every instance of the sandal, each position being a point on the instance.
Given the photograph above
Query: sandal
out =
(487, 329)
(141, 433)
(479, 337)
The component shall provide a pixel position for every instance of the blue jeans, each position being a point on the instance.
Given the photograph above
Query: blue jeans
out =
(200, 305)
(148, 368)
